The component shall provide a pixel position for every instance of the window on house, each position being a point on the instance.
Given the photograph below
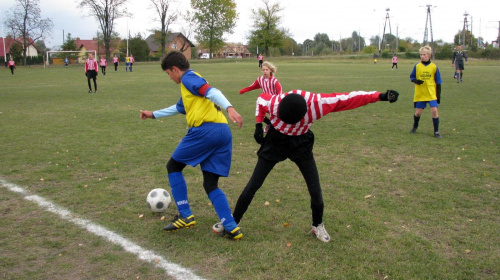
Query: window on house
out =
(174, 46)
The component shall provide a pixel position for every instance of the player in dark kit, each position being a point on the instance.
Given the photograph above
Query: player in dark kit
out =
(291, 116)
(457, 61)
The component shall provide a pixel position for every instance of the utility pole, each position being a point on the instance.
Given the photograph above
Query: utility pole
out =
(464, 29)
(387, 19)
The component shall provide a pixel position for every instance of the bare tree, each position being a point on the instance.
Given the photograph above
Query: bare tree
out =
(26, 26)
(167, 16)
(106, 12)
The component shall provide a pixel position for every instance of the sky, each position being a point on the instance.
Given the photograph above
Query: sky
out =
(302, 18)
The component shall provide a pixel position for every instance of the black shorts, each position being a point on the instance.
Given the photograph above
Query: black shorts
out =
(460, 65)
(91, 74)
(279, 147)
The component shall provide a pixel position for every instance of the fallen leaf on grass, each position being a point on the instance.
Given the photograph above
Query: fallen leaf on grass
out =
(277, 201)
(368, 196)
(162, 218)
(288, 244)
(266, 203)
(141, 215)
(468, 251)
(286, 224)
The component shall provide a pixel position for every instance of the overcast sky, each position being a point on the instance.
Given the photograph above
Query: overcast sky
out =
(302, 18)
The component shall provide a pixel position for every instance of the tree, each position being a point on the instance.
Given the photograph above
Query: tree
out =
(106, 12)
(267, 33)
(69, 45)
(26, 25)
(166, 17)
(137, 46)
(213, 18)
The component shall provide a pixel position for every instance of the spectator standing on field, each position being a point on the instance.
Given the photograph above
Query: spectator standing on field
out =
(458, 62)
(261, 59)
(12, 65)
(291, 115)
(208, 142)
(394, 62)
(66, 61)
(115, 62)
(91, 71)
(427, 79)
(103, 63)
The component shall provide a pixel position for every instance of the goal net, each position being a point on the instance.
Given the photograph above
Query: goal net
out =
(58, 57)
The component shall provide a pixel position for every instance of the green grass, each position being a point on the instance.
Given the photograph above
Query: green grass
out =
(397, 205)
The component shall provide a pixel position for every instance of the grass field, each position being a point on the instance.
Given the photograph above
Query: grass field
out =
(397, 206)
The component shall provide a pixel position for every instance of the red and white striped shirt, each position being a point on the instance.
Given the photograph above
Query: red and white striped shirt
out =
(90, 64)
(271, 85)
(103, 62)
(318, 105)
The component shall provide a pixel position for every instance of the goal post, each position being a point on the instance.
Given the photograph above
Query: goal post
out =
(79, 53)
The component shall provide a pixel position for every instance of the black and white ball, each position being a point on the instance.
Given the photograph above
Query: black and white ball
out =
(158, 200)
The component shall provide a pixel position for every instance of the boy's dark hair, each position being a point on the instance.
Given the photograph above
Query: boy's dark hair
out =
(174, 58)
(292, 108)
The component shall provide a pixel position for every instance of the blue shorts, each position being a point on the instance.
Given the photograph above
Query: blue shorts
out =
(423, 104)
(209, 145)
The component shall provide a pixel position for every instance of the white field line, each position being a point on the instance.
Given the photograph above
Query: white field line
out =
(172, 269)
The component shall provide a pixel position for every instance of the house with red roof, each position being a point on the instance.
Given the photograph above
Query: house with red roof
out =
(32, 51)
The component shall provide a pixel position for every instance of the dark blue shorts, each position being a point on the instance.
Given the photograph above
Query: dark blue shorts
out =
(209, 145)
(423, 104)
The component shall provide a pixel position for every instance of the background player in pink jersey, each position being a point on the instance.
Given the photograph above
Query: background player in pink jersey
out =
(267, 82)
(291, 115)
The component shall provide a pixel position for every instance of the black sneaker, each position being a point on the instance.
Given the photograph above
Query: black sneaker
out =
(235, 234)
(413, 130)
(437, 135)
(179, 222)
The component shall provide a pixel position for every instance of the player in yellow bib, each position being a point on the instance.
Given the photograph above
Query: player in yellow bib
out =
(427, 79)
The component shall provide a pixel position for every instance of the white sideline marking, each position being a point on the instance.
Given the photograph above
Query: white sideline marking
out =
(172, 269)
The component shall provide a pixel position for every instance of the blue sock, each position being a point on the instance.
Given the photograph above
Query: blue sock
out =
(179, 192)
(221, 207)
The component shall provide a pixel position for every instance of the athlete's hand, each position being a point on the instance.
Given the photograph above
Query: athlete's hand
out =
(390, 95)
(235, 117)
(417, 81)
(259, 133)
(146, 115)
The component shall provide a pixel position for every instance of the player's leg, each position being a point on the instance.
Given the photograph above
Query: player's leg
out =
(309, 171)
(94, 77)
(179, 193)
(88, 81)
(221, 205)
(416, 116)
(435, 118)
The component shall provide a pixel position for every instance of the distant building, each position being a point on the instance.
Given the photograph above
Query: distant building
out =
(92, 45)
(31, 51)
(175, 41)
(230, 50)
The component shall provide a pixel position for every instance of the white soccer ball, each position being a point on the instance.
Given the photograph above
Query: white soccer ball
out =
(158, 200)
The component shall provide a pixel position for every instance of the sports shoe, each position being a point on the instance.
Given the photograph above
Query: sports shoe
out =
(95, 91)
(413, 130)
(90, 91)
(235, 234)
(218, 228)
(179, 222)
(320, 232)
(437, 135)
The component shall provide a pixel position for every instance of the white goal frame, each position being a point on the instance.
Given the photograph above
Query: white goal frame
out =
(49, 52)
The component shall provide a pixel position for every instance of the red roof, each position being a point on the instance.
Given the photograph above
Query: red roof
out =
(90, 45)
(8, 43)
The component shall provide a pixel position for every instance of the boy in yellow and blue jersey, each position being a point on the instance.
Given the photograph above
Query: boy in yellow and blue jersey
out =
(427, 79)
(207, 143)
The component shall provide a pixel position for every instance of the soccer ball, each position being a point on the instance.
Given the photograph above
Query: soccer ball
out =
(158, 200)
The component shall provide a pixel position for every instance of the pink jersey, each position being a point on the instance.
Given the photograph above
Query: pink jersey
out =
(318, 105)
(115, 59)
(394, 59)
(103, 62)
(271, 85)
(11, 63)
(90, 64)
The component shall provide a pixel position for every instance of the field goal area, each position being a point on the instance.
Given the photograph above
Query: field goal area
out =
(59, 60)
